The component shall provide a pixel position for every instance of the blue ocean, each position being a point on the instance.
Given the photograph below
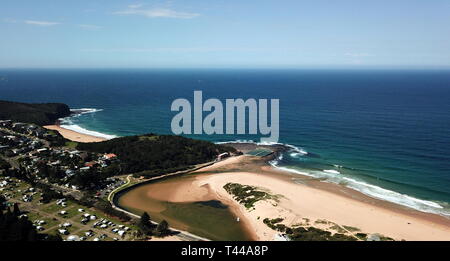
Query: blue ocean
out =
(385, 133)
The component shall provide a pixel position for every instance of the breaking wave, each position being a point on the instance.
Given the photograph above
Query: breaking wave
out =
(67, 123)
(334, 176)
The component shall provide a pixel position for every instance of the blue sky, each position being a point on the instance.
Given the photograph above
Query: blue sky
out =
(224, 33)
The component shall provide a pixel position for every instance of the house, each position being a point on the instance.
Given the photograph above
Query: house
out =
(55, 163)
(70, 172)
(41, 150)
(109, 156)
(18, 124)
(73, 238)
(223, 155)
(5, 123)
(63, 231)
(90, 164)
(40, 228)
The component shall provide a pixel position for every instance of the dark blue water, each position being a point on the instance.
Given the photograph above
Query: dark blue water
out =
(385, 133)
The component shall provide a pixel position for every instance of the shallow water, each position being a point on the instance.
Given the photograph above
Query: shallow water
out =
(210, 219)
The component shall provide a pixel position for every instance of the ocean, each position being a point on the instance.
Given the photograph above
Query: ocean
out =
(384, 133)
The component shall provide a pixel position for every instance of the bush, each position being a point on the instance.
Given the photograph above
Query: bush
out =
(157, 154)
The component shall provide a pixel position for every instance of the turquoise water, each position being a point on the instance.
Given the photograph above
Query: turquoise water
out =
(384, 133)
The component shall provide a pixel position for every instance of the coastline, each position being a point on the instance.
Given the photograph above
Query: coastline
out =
(306, 203)
(302, 198)
(73, 135)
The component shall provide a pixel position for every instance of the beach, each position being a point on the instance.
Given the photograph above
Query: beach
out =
(305, 203)
(302, 200)
(73, 135)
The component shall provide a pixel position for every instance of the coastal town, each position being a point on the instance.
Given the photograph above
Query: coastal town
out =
(40, 174)
(67, 193)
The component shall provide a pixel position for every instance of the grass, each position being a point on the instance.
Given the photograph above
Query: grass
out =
(52, 208)
(305, 233)
(248, 195)
(338, 229)
(49, 222)
(72, 212)
(361, 236)
(71, 229)
(71, 144)
(321, 221)
(124, 186)
(352, 229)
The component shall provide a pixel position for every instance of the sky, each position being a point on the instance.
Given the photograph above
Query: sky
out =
(224, 34)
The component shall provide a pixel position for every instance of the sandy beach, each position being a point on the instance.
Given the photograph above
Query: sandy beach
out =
(309, 203)
(74, 136)
(303, 201)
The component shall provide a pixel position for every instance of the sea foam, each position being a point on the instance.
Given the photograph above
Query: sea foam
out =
(373, 191)
(67, 123)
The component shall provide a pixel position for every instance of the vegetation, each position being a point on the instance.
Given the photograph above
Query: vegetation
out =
(148, 229)
(274, 224)
(106, 207)
(351, 229)
(361, 236)
(157, 154)
(145, 225)
(306, 233)
(4, 164)
(40, 114)
(162, 229)
(247, 195)
(16, 227)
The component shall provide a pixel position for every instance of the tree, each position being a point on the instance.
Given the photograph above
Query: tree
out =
(2, 202)
(145, 219)
(145, 224)
(16, 210)
(163, 228)
(4, 164)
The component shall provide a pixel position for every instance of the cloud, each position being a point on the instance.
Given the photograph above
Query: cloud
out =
(156, 12)
(41, 23)
(90, 26)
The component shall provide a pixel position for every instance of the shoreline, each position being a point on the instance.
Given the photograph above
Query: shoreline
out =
(73, 135)
(373, 215)
(310, 200)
